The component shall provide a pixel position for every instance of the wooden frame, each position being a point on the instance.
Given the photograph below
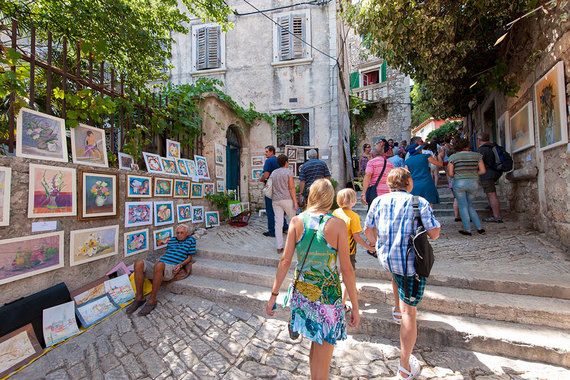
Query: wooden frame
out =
(5, 191)
(87, 195)
(160, 183)
(28, 151)
(179, 184)
(196, 190)
(18, 342)
(102, 143)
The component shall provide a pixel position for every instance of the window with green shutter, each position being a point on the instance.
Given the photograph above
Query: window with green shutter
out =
(383, 72)
(354, 80)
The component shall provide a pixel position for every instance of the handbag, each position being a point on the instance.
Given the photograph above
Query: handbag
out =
(372, 192)
(268, 188)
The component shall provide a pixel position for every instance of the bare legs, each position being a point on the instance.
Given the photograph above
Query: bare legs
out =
(495, 205)
(396, 297)
(156, 280)
(320, 360)
(139, 279)
(408, 334)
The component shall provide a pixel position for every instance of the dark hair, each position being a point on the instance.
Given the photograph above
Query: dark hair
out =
(270, 148)
(366, 145)
(484, 136)
(282, 160)
(386, 146)
(460, 144)
(432, 145)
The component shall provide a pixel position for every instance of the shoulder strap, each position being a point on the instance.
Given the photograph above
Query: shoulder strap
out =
(417, 215)
(381, 173)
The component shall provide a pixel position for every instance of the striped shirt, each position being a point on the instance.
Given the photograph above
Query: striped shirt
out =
(392, 216)
(177, 251)
(313, 170)
(466, 164)
(374, 168)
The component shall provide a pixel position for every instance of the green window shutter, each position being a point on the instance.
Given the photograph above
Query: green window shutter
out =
(354, 80)
(383, 75)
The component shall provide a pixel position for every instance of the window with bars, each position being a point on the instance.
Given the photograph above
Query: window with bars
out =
(293, 130)
(293, 29)
(208, 44)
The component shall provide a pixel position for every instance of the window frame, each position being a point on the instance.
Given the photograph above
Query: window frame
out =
(301, 111)
(368, 69)
(194, 48)
(307, 50)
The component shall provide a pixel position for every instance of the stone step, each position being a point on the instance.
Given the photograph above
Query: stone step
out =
(496, 306)
(527, 342)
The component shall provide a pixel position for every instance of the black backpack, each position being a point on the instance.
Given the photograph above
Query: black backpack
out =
(503, 160)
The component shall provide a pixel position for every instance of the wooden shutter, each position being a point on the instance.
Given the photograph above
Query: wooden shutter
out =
(298, 23)
(208, 47)
(354, 80)
(284, 38)
(201, 54)
(383, 72)
(292, 29)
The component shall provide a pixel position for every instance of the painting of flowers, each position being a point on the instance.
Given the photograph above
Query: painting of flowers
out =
(52, 191)
(40, 136)
(172, 149)
(59, 323)
(98, 194)
(220, 154)
(209, 188)
(202, 167)
(93, 244)
(136, 242)
(138, 214)
(152, 162)
(212, 219)
(192, 173)
(169, 166)
(126, 161)
(198, 214)
(184, 212)
(138, 186)
(521, 129)
(18, 348)
(182, 168)
(181, 188)
(161, 237)
(163, 213)
(27, 256)
(88, 146)
(163, 187)
(5, 187)
(96, 309)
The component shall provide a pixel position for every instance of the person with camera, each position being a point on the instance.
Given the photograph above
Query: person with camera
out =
(315, 296)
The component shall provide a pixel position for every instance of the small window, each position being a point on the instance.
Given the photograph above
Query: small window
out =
(208, 48)
(293, 130)
(292, 36)
(371, 77)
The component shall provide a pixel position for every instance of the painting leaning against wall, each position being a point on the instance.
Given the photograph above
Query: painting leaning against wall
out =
(5, 187)
(40, 136)
(52, 191)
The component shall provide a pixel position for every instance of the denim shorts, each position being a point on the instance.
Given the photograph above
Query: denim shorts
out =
(412, 301)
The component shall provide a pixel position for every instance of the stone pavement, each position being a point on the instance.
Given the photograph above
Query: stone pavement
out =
(190, 338)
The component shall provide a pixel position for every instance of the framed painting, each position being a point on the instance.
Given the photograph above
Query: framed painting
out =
(503, 130)
(138, 186)
(219, 154)
(521, 129)
(95, 310)
(93, 244)
(181, 188)
(184, 212)
(256, 174)
(161, 237)
(28, 256)
(89, 146)
(5, 188)
(209, 188)
(182, 167)
(221, 186)
(152, 162)
(198, 214)
(172, 149)
(17, 349)
(220, 172)
(59, 323)
(234, 208)
(257, 160)
(90, 291)
(244, 206)
(192, 173)
(202, 167)
(550, 108)
(98, 195)
(212, 219)
(120, 289)
(136, 242)
(40, 136)
(138, 214)
(52, 191)
(169, 166)
(163, 213)
(293, 168)
(291, 153)
(196, 190)
(163, 187)
(126, 161)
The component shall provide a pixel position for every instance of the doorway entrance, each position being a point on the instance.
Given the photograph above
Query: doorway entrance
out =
(233, 150)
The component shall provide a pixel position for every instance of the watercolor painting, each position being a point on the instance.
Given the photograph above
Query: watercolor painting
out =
(184, 212)
(502, 131)
(234, 208)
(219, 154)
(161, 237)
(96, 309)
(182, 167)
(209, 188)
(88, 146)
(163, 213)
(521, 128)
(126, 161)
(198, 214)
(163, 187)
(291, 153)
(5, 188)
(192, 173)
(136, 242)
(138, 186)
(172, 149)
(221, 186)
(27, 256)
(92, 244)
(138, 214)
(59, 323)
(98, 195)
(550, 108)
(257, 160)
(18, 348)
(90, 291)
(212, 219)
(152, 162)
(52, 191)
(244, 206)
(220, 171)
(169, 166)
(202, 167)
(256, 174)
(40, 136)
(197, 190)
(181, 188)
(120, 290)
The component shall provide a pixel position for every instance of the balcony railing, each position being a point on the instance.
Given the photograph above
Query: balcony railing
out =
(373, 93)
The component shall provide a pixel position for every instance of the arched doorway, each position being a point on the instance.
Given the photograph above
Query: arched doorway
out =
(233, 150)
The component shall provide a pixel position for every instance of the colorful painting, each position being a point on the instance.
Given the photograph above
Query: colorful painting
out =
(291, 153)
(202, 167)
(221, 186)
(257, 160)
(220, 171)
(88, 146)
(161, 237)
(18, 348)
(219, 154)
(52, 191)
(152, 162)
(192, 173)
(136, 242)
(196, 190)
(172, 149)
(184, 212)
(40, 136)
(169, 166)
(90, 291)
(209, 188)
(163, 187)
(234, 208)
(59, 323)
(98, 195)
(138, 186)
(5, 188)
(256, 174)
(163, 213)
(181, 188)
(212, 219)
(182, 167)
(120, 290)
(138, 214)
(550, 108)
(521, 129)
(96, 309)
(126, 161)
(198, 214)
(93, 244)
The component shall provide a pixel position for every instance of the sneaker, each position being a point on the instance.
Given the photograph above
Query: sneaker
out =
(458, 219)
(268, 234)
(481, 231)
(492, 219)
(466, 233)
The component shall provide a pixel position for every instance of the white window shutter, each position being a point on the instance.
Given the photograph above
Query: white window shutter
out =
(213, 51)
(285, 51)
(201, 51)
(298, 29)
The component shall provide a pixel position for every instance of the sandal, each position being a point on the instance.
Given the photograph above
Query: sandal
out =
(147, 308)
(396, 316)
(134, 306)
(415, 369)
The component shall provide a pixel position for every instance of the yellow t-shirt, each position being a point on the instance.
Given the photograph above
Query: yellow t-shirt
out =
(352, 221)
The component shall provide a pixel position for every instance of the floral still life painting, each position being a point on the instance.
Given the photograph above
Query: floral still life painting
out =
(59, 323)
(212, 219)
(98, 195)
(40, 136)
(169, 166)
(197, 190)
(120, 290)
(136, 242)
(181, 188)
(96, 309)
(138, 214)
(27, 256)
(172, 149)
(5, 187)
(163, 213)
(152, 162)
(88, 146)
(198, 214)
(52, 191)
(18, 348)
(161, 237)
(182, 167)
(138, 186)
(184, 212)
(202, 167)
(209, 188)
(126, 161)
(93, 244)
(163, 187)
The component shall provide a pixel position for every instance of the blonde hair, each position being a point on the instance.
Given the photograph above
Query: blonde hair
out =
(321, 195)
(398, 179)
(346, 198)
